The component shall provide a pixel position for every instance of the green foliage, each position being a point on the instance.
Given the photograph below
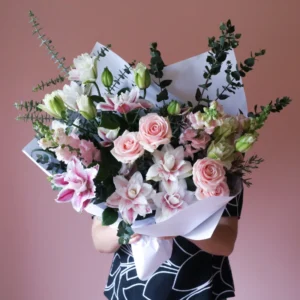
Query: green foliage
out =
(47, 43)
(109, 216)
(262, 116)
(124, 233)
(156, 69)
(109, 165)
(42, 85)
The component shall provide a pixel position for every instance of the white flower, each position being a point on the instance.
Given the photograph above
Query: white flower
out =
(85, 69)
(71, 93)
(169, 166)
(53, 104)
(86, 107)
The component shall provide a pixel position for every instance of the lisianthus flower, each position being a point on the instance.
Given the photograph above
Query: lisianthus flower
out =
(124, 103)
(85, 69)
(77, 185)
(169, 166)
(131, 197)
(169, 203)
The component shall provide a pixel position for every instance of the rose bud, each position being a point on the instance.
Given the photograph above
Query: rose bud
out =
(142, 76)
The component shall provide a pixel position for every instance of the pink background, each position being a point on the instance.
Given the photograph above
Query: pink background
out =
(46, 250)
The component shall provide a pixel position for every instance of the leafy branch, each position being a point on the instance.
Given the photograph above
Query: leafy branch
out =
(123, 74)
(262, 116)
(47, 43)
(156, 69)
(42, 85)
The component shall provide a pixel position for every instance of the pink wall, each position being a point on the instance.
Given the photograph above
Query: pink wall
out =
(46, 250)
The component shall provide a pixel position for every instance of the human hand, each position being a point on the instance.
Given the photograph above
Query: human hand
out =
(167, 237)
(135, 238)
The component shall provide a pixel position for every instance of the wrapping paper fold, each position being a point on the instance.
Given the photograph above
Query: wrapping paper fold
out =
(197, 221)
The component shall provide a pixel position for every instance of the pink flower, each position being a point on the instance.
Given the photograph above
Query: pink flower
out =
(77, 185)
(88, 152)
(220, 190)
(154, 131)
(169, 203)
(198, 140)
(125, 102)
(131, 197)
(127, 148)
(169, 166)
(208, 173)
(199, 120)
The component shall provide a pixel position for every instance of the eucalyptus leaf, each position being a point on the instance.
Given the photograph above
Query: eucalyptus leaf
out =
(109, 216)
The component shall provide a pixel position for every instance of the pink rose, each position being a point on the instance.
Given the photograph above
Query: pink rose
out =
(208, 173)
(154, 131)
(127, 148)
(221, 190)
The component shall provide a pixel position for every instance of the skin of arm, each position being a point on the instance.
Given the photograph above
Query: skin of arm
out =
(105, 238)
(221, 243)
(223, 239)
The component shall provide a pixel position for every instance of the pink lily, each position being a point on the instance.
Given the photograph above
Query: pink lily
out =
(77, 185)
(131, 197)
(169, 203)
(169, 166)
(124, 103)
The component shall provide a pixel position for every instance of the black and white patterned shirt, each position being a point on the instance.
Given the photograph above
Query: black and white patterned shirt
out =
(190, 273)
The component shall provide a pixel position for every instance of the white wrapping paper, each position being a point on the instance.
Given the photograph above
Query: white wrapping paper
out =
(197, 221)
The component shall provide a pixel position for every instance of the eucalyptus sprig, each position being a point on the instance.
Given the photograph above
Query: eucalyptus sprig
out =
(53, 81)
(123, 74)
(156, 67)
(47, 43)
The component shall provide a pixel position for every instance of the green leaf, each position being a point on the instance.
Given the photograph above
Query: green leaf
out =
(238, 35)
(236, 75)
(165, 83)
(108, 121)
(242, 74)
(222, 57)
(205, 86)
(124, 232)
(250, 61)
(109, 165)
(198, 95)
(223, 97)
(163, 95)
(109, 216)
(210, 59)
(97, 99)
(231, 29)
(123, 90)
(223, 26)
(222, 41)
(215, 69)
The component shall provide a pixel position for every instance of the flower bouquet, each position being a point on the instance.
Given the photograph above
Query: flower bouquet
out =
(156, 149)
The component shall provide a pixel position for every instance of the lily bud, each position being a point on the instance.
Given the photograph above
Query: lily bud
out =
(54, 105)
(142, 76)
(86, 107)
(107, 78)
(245, 142)
(173, 108)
